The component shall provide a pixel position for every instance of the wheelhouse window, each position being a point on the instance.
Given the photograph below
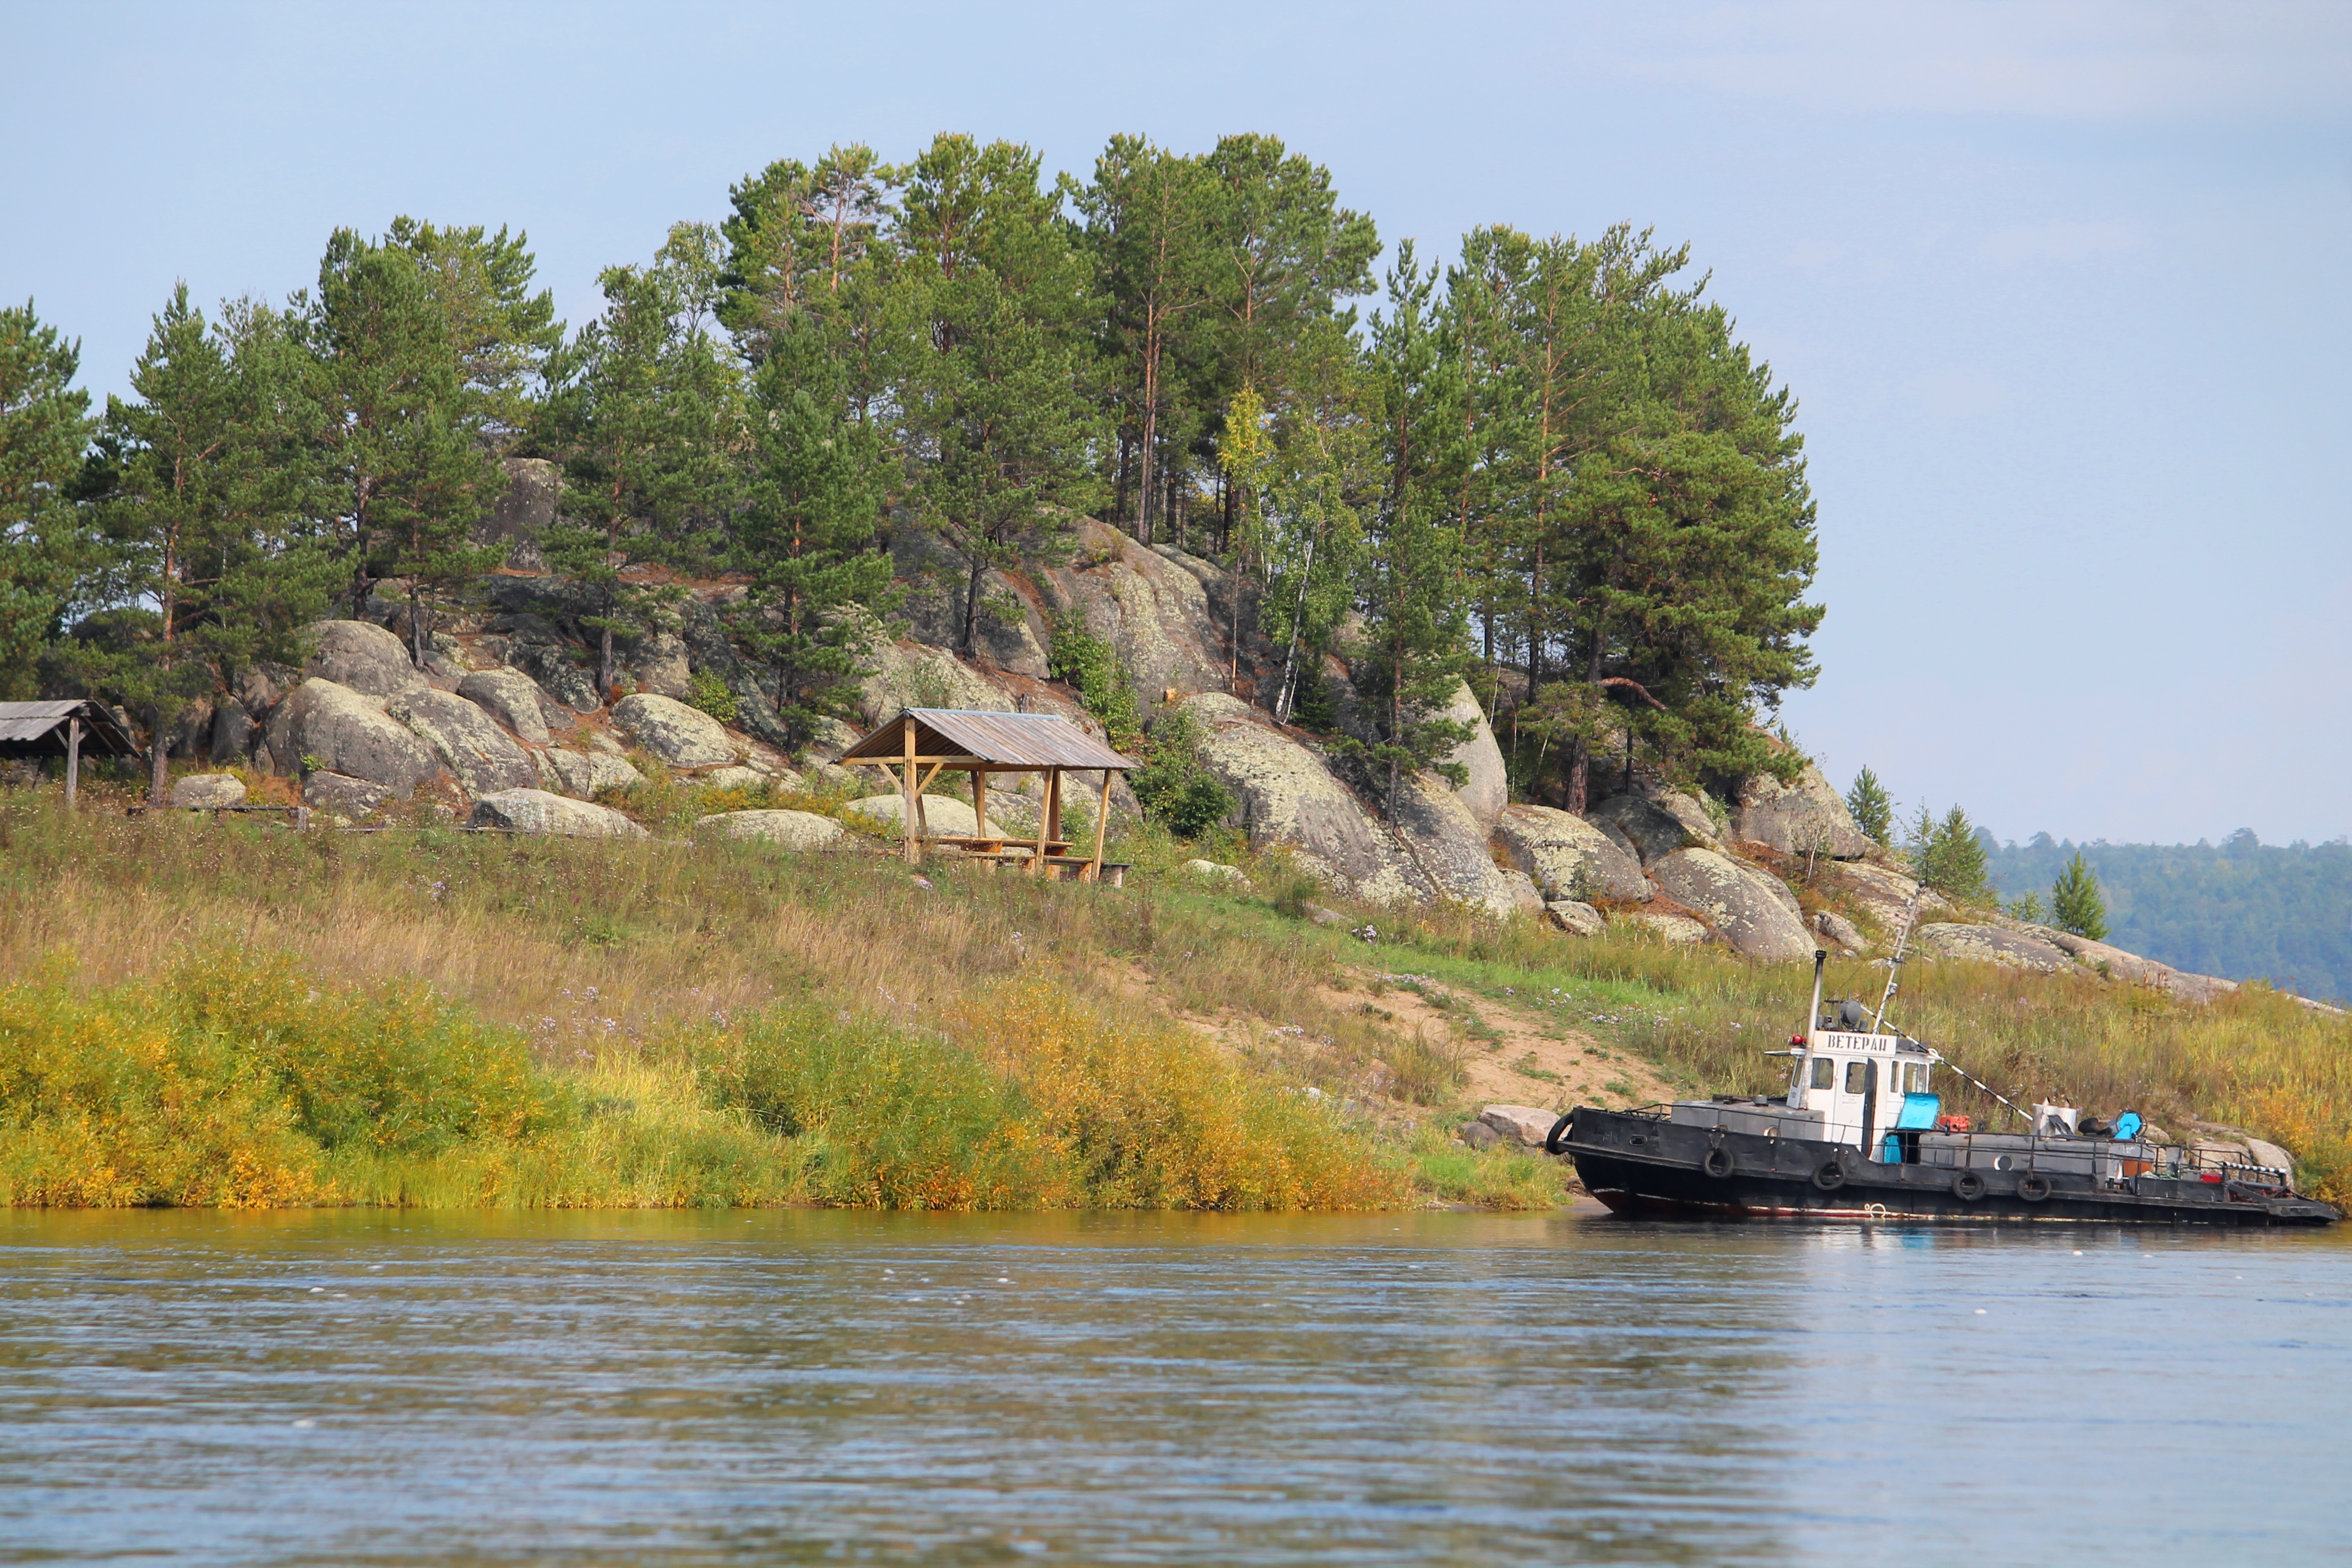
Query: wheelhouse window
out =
(1825, 1072)
(1914, 1077)
(1857, 1077)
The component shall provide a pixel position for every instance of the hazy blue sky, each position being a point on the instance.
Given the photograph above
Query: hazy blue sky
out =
(2061, 286)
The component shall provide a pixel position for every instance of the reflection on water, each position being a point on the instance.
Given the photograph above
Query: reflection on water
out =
(1437, 1388)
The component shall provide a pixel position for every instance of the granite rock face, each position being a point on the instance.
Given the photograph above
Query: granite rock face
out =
(1526, 1125)
(469, 744)
(584, 774)
(1806, 817)
(1007, 630)
(523, 514)
(360, 657)
(1151, 606)
(1566, 855)
(1992, 944)
(344, 794)
(1576, 919)
(941, 814)
(1488, 788)
(327, 727)
(681, 736)
(1749, 908)
(512, 697)
(536, 811)
(1657, 824)
(1443, 841)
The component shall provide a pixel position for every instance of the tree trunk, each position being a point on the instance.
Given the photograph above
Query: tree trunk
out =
(971, 603)
(1150, 433)
(416, 636)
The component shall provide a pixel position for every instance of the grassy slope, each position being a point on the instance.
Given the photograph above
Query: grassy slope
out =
(606, 957)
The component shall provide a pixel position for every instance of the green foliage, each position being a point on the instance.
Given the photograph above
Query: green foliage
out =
(2075, 903)
(1175, 787)
(1872, 808)
(2027, 907)
(710, 693)
(1093, 666)
(44, 426)
(1946, 855)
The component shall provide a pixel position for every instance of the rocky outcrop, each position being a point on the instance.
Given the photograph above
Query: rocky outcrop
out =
(1008, 630)
(234, 732)
(1838, 931)
(909, 675)
(1806, 817)
(1749, 908)
(789, 829)
(1150, 605)
(681, 736)
(1218, 874)
(1488, 790)
(1287, 795)
(1574, 917)
(207, 790)
(2116, 964)
(362, 658)
(511, 696)
(325, 726)
(468, 744)
(1566, 855)
(1446, 846)
(558, 669)
(1657, 824)
(1885, 893)
(657, 663)
(584, 774)
(523, 514)
(536, 811)
(1991, 945)
(344, 794)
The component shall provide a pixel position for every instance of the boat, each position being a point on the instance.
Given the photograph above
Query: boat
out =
(1860, 1134)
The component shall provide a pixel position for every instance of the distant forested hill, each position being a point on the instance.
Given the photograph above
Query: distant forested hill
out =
(2242, 909)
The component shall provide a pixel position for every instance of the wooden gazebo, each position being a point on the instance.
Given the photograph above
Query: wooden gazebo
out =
(63, 729)
(921, 742)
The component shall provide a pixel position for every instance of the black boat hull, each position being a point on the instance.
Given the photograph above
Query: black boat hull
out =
(1642, 1164)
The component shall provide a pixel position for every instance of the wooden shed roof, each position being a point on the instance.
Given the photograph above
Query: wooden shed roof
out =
(38, 729)
(1010, 740)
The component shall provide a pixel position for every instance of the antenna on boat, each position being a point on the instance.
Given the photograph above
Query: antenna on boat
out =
(1910, 915)
(1813, 1014)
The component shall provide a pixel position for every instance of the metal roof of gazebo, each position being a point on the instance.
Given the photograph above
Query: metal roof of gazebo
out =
(43, 729)
(973, 741)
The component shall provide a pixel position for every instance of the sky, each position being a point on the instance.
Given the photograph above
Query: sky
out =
(2060, 287)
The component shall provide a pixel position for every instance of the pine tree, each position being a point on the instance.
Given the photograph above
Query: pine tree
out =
(44, 425)
(1948, 857)
(1871, 807)
(2077, 904)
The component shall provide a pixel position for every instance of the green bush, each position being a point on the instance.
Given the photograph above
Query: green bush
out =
(1175, 787)
(1093, 666)
(710, 693)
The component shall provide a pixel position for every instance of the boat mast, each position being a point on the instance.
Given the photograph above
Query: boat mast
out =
(1910, 914)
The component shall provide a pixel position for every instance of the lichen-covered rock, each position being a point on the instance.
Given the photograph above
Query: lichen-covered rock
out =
(1218, 874)
(2116, 964)
(483, 756)
(1885, 893)
(909, 675)
(1444, 842)
(791, 829)
(1574, 917)
(324, 726)
(559, 670)
(360, 657)
(1153, 607)
(1751, 910)
(1806, 817)
(681, 736)
(657, 663)
(736, 778)
(1991, 945)
(511, 696)
(584, 774)
(208, 790)
(1007, 630)
(1679, 929)
(941, 814)
(233, 732)
(1839, 931)
(344, 794)
(1525, 896)
(1568, 857)
(1287, 795)
(536, 811)
(523, 513)
(1658, 824)
(1488, 790)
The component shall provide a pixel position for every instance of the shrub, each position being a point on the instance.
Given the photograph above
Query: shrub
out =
(1174, 787)
(1093, 666)
(709, 692)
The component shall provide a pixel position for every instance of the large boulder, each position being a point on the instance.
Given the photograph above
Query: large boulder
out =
(1566, 855)
(1286, 795)
(791, 829)
(326, 727)
(1447, 845)
(941, 814)
(1992, 944)
(1574, 917)
(1488, 788)
(1749, 908)
(584, 774)
(363, 658)
(2117, 964)
(342, 794)
(1885, 893)
(1151, 606)
(1802, 818)
(483, 756)
(1658, 824)
(536, 811)
(559, 669)
(658, 663)
(681, 736)
(511, 696)
(208, 790)
(1526, 1125)
(233, 732)
(1678, 930)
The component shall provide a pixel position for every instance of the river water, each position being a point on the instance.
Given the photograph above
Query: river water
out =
(381, 1387)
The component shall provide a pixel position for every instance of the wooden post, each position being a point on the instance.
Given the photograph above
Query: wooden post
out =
(1049, 810)
(914, 819)
(1102, 821)
(979, 801)
(73, 760)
